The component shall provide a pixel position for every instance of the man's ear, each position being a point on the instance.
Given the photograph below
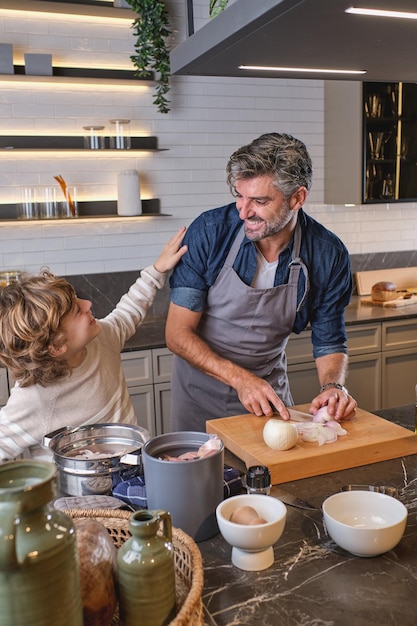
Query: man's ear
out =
(57, 351)
(298, 198)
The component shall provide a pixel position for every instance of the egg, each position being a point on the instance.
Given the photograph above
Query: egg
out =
(257, 520)
(244, 515)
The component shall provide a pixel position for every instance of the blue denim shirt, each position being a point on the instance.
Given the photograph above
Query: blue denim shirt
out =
(209, 238)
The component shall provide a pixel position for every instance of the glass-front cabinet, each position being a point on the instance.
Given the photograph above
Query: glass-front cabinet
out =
(370, 142)
(390, 125)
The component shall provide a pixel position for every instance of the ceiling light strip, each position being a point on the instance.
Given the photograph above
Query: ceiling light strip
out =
(406, 15)
(312, 70)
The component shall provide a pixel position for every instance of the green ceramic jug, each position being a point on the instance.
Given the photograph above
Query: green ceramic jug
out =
(147, 571)
(39, 576)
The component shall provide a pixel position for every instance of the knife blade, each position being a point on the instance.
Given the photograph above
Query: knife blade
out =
(288, 498)
(299, 416)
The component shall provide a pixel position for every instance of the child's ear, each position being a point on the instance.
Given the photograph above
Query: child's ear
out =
(57, 351)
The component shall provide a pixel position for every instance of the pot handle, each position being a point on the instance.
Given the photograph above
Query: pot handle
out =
(49, 436)
(132, 458)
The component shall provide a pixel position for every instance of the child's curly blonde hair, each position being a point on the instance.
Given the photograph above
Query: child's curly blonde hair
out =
(31, 312)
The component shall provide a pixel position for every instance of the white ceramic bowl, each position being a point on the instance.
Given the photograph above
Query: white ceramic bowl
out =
(364, 523)
(252, 545)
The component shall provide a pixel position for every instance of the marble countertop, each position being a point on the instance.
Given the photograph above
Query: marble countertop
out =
(359, 313)
(313, 582)
(151, 334)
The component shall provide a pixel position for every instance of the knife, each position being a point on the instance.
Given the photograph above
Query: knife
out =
(299, 416)
(288, 498)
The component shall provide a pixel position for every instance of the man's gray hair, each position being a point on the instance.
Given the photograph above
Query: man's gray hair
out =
(281, 156)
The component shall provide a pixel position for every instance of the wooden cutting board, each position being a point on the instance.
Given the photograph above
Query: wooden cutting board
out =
(370, 439)
(391, 304)
(402, 277)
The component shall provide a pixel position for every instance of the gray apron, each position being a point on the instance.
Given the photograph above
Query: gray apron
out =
(247, 326)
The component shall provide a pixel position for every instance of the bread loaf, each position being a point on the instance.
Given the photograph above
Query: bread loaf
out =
(97, 557)
(384, 291)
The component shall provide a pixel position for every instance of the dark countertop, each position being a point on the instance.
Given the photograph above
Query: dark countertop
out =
(359, 313)
(152, 332)
(313, 582)
(150, 335)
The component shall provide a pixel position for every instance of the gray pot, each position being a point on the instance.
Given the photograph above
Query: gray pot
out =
(189, 490)
(119, 447)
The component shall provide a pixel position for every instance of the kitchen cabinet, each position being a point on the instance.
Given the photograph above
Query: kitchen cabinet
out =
(382, 365)
(148, 377)
(137, 367)
(399, 363)
(370, 142)
(4, 386)
(162, 369)
(364, 376)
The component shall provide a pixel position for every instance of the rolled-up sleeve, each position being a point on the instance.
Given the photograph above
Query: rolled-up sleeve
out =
(189, 298)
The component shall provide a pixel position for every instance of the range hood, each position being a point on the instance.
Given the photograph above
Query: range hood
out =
(303, 34)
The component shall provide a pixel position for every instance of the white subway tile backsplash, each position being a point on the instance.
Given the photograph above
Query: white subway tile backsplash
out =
(210, 117)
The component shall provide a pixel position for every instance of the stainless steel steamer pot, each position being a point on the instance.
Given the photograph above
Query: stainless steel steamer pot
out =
(113, 450)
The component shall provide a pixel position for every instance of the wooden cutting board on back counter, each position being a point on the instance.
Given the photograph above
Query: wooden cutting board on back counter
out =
(370, 439)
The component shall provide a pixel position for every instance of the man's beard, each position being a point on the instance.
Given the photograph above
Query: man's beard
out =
(273, 227)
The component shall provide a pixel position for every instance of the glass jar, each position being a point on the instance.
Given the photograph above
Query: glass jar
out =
(120, 135)
(8, 277)
(27, 206)
(94, 138)
(48, 203)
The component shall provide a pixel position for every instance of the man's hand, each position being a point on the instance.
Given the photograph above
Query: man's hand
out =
(258, 397)
(340, 405)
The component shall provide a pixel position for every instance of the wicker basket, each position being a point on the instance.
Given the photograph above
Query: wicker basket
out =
(188, 563)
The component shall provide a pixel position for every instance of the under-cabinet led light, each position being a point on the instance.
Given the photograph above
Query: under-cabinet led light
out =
(23, 153)
(71, 17)
(406, 15)
(55, 83)
(270, 68)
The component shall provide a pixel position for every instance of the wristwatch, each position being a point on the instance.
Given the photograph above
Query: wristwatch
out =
(336, 385)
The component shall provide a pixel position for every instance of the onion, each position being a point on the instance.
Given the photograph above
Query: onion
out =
(280, 435)
(322, 416)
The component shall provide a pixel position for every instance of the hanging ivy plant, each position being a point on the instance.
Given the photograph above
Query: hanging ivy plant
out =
(217, 6)
(151, 28)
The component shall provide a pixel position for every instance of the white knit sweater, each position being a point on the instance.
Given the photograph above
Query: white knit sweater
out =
(96, 391)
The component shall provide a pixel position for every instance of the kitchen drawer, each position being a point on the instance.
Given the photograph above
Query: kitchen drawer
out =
(364, 380)
(399, 377)
(143, 402)
(163, 408)
(364, 339)
(399, 334)
(137, 367)
(304, 382)
(299, 348)
(162, 365)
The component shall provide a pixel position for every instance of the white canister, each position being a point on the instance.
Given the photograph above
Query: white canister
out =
(128, 193)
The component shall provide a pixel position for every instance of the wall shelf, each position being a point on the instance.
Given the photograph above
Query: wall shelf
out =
(95, 9)
(12, 143)
(88, 209)
(86, 74)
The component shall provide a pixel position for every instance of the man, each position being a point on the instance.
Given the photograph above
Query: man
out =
(255, 271)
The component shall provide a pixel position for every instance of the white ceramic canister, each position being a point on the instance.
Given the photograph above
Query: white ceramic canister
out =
(128, 193)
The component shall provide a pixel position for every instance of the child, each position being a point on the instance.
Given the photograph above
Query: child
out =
(66, 363)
